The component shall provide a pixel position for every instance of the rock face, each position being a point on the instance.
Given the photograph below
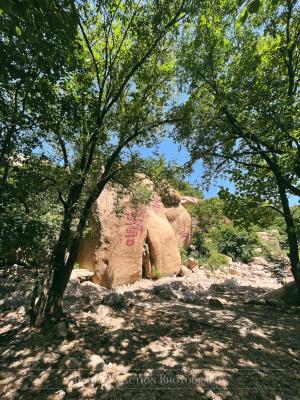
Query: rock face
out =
(181, 223)
(123, 249)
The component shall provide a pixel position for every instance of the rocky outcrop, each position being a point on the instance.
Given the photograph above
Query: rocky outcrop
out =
(122, 249)
(181, 223)
(187, 201)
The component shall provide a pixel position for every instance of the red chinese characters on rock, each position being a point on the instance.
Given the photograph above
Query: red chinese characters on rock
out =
(155, 204)
(134, 227)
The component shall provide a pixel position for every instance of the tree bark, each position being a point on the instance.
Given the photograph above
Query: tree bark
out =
(291, 234)
(47, 305)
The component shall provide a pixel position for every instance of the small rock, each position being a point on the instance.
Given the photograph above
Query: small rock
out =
(70, 363)
(60, 329)
(8, 353)
(113, 300)
(233, 271)
(232, 282)
(195, 269)
(95, 362)
(210, 395)
(59, 395)
(256, 301)
(184, 271)
(166, 294)
(259, 261)
(215, 303)
(191, 263)
(78, 385)
(274, 302)
(215, 287)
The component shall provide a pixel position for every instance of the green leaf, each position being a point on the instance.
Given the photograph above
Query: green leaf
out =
(253, 6)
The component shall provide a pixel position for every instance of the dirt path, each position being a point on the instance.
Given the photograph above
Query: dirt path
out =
(157, 349)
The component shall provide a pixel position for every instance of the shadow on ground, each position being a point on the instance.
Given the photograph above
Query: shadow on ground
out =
(155, 349)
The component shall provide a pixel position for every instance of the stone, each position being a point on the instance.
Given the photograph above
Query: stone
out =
(8, 353)
(95, 362)
(59, 395)
(181, 222)
(103, 310)
(215, 303)
(113, 300)
(274, 302)
(11, 303)
(233, 271)
(184, 271)
(231, 283)
(70, 363)
(287, 294)
(256, 301)
(140, 242)
(215, 287)
(60, 329)
(259, 261)
(81, 274)
(195, 269)
(166, 294)
(78, 385)
(188, 201)
(191, 263)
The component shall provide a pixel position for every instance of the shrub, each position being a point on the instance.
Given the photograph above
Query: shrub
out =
(155, 273)
(199, 245)
(236, 243)
(215, 260)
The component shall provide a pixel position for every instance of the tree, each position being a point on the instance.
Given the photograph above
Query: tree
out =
(113, 93)
(242, 71)
(35, 43)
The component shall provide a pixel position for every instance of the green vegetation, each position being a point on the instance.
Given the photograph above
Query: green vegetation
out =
(155, 272)
(86, 84)
(236, 243)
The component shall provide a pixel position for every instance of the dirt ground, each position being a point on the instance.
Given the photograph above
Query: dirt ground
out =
(152, 347)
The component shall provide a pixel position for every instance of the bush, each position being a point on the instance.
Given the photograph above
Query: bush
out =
(199, 245)
(238, 244)
(215, 259)
(155, 273)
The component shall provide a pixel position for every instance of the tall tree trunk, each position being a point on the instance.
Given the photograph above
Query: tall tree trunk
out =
(47, 305)
(291, 234)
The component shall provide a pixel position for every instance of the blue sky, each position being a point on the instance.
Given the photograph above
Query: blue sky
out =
(172, 153)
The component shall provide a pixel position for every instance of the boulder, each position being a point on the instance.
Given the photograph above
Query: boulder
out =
(187, 201)
(181, 223)
(287, 294)
(259, 261)
(139, 242)
(81, 274)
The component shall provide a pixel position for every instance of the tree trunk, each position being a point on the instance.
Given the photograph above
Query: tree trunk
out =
(47, 304)
(291, 234)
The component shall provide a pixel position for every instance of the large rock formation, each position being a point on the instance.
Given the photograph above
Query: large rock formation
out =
(142, 242)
